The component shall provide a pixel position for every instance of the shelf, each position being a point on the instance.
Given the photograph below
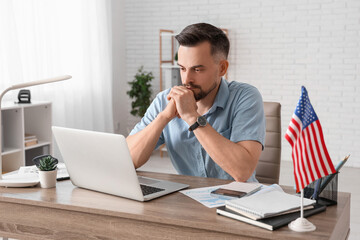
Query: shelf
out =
(7, 105)
(40, 144)
(33, 104)
(7, 151)
(20, 119)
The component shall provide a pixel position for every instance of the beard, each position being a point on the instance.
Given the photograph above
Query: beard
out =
(201, 94)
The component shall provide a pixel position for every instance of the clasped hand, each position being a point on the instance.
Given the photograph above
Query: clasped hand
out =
(182, 104)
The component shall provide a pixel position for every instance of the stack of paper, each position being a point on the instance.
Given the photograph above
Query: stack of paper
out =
(268, 204)
(270, 208)
(271, 223)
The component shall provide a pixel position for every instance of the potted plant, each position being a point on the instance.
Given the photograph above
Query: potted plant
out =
(141, 92)
(47, 166)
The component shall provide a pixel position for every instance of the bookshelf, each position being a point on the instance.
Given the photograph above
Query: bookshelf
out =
(167, 53)
(17, 119)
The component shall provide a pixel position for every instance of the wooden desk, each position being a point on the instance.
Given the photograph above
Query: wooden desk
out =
(68, 212)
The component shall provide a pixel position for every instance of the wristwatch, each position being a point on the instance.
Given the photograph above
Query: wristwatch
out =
(201, 121)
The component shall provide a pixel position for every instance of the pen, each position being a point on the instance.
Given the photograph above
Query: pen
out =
(341, 163)
(316, 189)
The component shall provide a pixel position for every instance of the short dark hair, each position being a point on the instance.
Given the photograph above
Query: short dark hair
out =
(204, 32)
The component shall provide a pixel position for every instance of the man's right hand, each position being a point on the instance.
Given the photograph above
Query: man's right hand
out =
(142, 143)
(170, 110)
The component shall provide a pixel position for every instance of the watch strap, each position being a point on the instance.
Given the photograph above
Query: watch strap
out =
(194, 126)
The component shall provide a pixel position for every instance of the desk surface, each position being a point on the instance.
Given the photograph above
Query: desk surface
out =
(68, 212)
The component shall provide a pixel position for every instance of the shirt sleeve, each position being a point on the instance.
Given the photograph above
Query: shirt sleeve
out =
(151, 113)
(249, 118)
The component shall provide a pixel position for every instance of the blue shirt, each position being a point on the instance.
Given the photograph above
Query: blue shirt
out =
(237, 114)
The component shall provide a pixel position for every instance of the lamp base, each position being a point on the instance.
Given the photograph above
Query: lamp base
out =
(16, 180)
(302, 225)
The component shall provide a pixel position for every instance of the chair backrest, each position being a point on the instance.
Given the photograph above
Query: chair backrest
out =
(268, 168)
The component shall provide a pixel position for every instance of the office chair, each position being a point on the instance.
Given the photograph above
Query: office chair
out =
(268, 167)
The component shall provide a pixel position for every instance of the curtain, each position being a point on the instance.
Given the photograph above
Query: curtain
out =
(42, 38)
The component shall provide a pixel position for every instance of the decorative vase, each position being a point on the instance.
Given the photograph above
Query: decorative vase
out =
(48, 178)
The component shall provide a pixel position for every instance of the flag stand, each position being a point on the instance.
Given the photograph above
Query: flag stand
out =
(302, 224)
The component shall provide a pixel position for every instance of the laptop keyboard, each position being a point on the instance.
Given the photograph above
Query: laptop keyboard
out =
(146, 190)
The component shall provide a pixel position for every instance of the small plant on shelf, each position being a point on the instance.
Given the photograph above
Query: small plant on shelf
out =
(140, 92)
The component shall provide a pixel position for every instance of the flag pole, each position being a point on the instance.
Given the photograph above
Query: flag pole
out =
(302, 204)
(302, 224)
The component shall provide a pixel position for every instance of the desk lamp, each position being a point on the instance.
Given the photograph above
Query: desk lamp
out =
(13, 180)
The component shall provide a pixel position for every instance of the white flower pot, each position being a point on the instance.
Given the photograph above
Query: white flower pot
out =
(48, 178)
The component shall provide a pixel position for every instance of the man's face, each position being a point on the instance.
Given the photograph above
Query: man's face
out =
(200, 72)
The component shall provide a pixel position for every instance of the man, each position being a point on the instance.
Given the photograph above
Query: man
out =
(211, 128)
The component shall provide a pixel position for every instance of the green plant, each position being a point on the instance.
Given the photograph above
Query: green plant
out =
(140, 92)
(47, 163)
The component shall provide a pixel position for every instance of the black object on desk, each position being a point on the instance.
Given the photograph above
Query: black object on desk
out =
(24, 96)
(323, 190)
(62, 178)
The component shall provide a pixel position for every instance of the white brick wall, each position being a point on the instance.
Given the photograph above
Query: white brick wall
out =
(277, 46)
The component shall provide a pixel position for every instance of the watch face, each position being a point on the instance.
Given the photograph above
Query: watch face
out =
(202, 121)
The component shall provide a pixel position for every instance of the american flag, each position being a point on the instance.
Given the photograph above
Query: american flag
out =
(310, 157)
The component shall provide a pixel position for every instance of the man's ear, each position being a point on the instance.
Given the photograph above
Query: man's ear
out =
(223, 66)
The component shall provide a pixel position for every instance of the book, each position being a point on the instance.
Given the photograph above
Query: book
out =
(62, 173)
(236, 190)
(267, 204)
(31, 142)
(256, 217)
(271, 223)
(29, 136)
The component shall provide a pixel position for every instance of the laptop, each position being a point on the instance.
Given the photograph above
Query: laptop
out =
(102, 162)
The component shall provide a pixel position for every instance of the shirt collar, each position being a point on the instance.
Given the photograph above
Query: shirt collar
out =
(222, 96)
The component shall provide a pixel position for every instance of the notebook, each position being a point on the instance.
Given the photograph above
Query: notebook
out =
(256, 217)
(102, 162)
(267, 204)
(271, 223)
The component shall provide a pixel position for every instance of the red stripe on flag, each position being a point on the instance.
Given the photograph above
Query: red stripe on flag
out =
(312, 158)
(303, 168)
(298, 173)
(296, 181)
(288, 138)
(318, 152)
(297, 125)
(293, 132)
(310, 170)
(312, 154)
(324, 147)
